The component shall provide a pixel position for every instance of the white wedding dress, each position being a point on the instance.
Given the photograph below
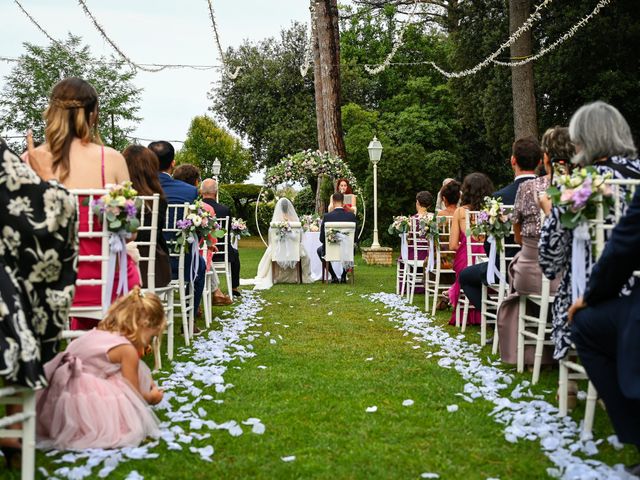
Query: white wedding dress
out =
(285, 272)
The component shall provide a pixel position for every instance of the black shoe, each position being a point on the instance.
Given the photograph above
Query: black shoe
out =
(236, 293)
(335, 280)
(343, 279)
(12, 457)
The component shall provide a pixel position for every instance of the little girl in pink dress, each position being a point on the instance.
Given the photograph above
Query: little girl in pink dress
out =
(99, 390)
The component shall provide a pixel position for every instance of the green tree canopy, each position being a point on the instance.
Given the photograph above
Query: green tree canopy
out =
(207, 141)
(28, 87)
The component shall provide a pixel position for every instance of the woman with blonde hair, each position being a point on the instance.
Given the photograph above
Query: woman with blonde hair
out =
(101, 383)
(79, 160)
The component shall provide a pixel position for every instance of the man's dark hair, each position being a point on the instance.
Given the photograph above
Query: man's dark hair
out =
(527, 152)
(451, 191)
(187, 173)
(338, 198)
(165, 152)
(424, 198)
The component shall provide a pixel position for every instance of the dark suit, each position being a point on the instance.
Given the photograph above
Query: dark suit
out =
(222, 211)
(472, 278)
(177, 191)
(338, 215)
(607, 332)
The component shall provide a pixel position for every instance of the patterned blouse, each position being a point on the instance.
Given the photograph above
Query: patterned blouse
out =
(526, 211)
(555, 252)
(38, 253)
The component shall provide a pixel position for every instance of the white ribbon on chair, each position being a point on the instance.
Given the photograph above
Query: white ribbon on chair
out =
(117, 255)
(345, 252)
(579, 266)
(492, 272)
(282, 251)
(195, 264)
(404, 248)
(431, 254)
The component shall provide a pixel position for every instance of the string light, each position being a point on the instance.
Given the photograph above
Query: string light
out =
(304, 68)
(226, 71)
(106, 38)
(374, 70)
(570, 33)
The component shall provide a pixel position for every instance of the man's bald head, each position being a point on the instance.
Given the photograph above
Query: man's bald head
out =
(209, 188)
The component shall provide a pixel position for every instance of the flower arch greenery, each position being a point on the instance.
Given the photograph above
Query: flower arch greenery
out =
(301, 166)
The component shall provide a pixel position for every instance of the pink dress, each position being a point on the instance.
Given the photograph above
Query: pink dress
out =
(88, 403)
(90, 295)
(459, 264)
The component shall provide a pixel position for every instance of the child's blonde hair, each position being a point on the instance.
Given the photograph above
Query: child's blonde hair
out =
(129, 314)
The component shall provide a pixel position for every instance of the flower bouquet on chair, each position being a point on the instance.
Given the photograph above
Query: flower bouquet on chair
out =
(311, 223)
(238, 229)
(196, 228)
(495, 224)
(119, 208)
(283, 229)
(578, 197)
(400, 225)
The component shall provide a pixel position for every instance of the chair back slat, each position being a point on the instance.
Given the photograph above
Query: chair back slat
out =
(149, 223)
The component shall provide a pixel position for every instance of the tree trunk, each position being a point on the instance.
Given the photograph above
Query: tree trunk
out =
(327, 84)
(525, 121)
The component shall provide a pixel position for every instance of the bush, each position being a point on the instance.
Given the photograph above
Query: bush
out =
(305, 202)
(241, 195)
(265, 213)
(226, 199)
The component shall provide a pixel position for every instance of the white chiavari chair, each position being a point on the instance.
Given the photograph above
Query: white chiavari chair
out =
(183, 283)
(220, 261)
(25, 397)
(434, 284)
(401, 264)
(339, 252)
(475, 254)
(418, 248)
(286, 250)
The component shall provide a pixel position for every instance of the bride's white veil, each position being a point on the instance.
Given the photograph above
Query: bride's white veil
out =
(284, 212)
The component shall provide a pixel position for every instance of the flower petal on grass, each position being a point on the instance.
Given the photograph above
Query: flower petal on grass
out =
(290, 458)
(407, 403)
(371, 409)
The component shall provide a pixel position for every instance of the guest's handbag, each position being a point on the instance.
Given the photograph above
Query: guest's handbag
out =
(163, 267)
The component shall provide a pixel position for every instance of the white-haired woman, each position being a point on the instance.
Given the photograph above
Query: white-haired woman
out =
(602, 139)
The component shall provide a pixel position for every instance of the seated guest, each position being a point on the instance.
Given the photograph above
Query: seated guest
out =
(339, 214)
(424, 200)
(191, 174)
(449, 196)
(606, 328)
(209, 192)
(525, 157)
(343, 187)
(524, 271)
(475, 187)
(101, 382)
(603, 139)
(143, 165)
(177, 191)
(439, 203)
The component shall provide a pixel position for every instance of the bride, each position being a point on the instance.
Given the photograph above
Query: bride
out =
(283, 270)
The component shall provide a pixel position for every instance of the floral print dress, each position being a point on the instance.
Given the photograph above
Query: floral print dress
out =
(38, 253)
(555, 249)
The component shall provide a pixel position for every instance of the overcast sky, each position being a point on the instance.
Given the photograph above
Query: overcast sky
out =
(154, 31)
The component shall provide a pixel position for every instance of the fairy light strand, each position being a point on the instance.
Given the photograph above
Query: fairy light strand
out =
(231, 75)
(570, 33)
(106, 38)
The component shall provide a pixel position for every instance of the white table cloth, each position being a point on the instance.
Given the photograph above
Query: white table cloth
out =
(311, 243)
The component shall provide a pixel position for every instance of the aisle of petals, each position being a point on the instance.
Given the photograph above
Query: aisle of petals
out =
(185, 404)
(524, 414)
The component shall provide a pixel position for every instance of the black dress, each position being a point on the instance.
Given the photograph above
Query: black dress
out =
(38, 255)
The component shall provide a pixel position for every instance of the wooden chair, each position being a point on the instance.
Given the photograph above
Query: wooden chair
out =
(333, 252)
(289, 255)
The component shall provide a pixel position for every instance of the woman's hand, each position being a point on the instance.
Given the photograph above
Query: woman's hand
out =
(575, 308)
(40, 161)
(544, 202)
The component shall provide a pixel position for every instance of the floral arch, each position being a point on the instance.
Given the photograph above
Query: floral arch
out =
(298, 167)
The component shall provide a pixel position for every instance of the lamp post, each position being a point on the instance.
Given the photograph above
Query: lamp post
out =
(215, 169)
(375, 152)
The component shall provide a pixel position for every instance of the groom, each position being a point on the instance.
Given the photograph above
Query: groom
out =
(339, 214)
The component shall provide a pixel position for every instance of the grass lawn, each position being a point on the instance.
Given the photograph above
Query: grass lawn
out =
(318, 382)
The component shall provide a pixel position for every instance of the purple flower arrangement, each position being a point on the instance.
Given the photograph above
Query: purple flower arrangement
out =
(120, 208)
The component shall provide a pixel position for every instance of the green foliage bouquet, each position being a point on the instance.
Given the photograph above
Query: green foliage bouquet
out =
(400, 225)
(120, 207)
